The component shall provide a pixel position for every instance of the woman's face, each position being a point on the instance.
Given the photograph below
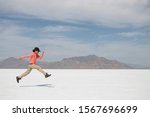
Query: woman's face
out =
(36, 52)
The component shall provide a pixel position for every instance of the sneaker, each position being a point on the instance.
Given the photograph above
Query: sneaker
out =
(47, 75)
(17, 78)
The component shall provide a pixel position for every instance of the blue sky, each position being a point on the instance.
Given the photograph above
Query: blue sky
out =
(112, 29)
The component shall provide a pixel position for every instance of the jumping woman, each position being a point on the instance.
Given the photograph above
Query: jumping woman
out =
(32, 64)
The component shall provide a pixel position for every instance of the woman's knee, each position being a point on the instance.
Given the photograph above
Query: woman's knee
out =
(39, 68)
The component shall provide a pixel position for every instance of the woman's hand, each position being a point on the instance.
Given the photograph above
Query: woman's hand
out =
(40, 57)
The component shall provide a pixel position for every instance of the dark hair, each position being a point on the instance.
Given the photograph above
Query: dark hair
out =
(36, 49)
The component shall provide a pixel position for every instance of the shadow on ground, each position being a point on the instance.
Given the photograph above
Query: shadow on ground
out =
(40, 85)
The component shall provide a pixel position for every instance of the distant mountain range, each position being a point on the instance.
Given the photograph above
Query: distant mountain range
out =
(81, 62)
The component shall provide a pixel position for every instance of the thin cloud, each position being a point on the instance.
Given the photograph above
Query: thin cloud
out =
(60, 28)
(132, 34)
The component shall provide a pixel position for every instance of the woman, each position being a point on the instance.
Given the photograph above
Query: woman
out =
(32, 64)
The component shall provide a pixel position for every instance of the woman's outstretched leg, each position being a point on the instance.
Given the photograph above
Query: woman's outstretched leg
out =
(24, 74)
(33, 66)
